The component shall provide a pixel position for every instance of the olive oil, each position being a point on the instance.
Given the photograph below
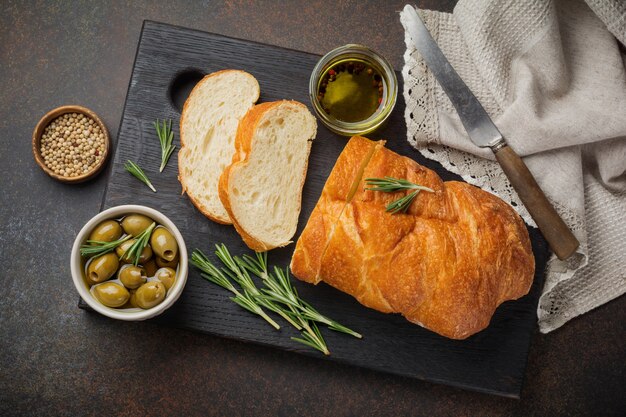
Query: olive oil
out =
(351, 90)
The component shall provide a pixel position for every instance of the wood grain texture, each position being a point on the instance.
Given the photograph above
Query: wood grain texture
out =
(492, 361)
(560, 238)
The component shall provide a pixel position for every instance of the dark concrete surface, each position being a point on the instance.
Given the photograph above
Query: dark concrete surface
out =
(58, 360)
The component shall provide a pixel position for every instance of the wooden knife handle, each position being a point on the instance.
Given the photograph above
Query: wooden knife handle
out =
(559, 237)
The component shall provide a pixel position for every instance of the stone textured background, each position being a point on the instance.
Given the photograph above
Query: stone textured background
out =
(58, 360)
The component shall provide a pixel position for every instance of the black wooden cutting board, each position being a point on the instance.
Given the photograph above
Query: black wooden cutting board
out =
(169, 61)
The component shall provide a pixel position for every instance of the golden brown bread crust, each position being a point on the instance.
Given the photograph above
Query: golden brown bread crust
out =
(310, 247)
(181, 178)
(446, 264)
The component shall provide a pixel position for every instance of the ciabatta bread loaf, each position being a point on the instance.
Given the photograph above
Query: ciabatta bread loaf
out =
(446, 264)
(208, 125)
(262, 189)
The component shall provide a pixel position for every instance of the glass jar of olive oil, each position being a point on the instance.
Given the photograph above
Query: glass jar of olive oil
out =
(353, 90)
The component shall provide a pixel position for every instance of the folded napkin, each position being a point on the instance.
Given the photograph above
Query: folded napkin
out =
(551, 76)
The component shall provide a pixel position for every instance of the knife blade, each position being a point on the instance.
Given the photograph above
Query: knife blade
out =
(484, 133)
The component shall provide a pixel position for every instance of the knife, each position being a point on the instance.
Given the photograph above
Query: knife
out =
(484, 133)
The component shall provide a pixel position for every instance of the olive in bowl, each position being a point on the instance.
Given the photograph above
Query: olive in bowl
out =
(121, 280)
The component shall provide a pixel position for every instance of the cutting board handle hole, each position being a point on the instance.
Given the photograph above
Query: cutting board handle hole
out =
(181, 85)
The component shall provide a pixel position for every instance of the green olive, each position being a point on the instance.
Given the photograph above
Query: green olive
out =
(132, 301)
(102, 268)
(150, 294)
(134, 224)
(150, 267)
(167, 276)
(162, 263)
(146, 253)
(107, 231)
(164, 244)
(132, 276)
(120, 249)
(111, 294)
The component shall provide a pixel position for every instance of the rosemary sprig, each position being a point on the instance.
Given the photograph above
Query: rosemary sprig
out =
(280, 290)
(391, 185)
(277, 294)
(98, 247)
(138, 173)
(141, 241)
(166, 136)
(217, 276)
(240, 276)
(259, 268)
(313, 338)
(310, 333)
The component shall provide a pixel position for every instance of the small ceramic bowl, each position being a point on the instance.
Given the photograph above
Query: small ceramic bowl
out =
(45, 121)
(129, 314)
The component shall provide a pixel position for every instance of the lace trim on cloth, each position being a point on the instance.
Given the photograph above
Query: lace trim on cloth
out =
(419, 90)
(424, 97)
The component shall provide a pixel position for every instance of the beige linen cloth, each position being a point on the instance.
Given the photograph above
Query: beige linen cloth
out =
(551, 76)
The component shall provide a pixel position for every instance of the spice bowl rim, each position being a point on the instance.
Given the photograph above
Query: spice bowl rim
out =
(379, 117)
(76, 266)
(47, 119)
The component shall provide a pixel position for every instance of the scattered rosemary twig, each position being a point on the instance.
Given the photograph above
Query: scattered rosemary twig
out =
(311, 335)
(166, 136)
(211, 273)
(141, 241)
(277, 294)
(240, 276)
(217, 276)
(390, 185)
(138, 173)
(280, 290)
(98, 247)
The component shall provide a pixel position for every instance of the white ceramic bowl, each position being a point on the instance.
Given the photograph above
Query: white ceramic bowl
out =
(133, 314)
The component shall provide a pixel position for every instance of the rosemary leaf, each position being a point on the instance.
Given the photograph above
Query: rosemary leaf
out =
(241, 277)
(279, 289)
(141, 241)
(312, 335)
(401, 204)
(313, 338)
(97, 247)
(306, 309)
(211, 273)
(166, 137)
(392, 185)
(138, 173)
(307, 341)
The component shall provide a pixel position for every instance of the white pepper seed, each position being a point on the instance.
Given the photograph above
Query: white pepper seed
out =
(72, 144)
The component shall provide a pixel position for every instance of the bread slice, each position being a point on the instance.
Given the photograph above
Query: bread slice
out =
(262, 188)
(208, 125)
